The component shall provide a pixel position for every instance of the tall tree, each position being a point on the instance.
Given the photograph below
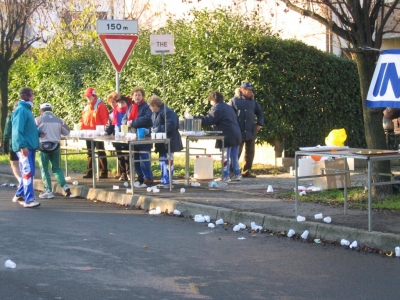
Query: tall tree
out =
(362, 24)
(19, 29)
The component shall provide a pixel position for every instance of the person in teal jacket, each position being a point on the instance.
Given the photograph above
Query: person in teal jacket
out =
(6, 145)
(25, 142)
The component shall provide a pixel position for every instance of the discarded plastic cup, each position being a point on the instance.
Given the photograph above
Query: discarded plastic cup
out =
(182, 190)
(67, 178)
(301, 219)
(207, 218)
(199, 218)
(211, 225)
(344, 242)
(219, 222)
(397, 250)
(149, 189)
(327, 219)
(176, 212)
(236, 228)
(10, 264)
(270, 189)
(353, 245)
(75, 183)
(304, 235)
(242, 226)
(318, 216)
(126, 184)
(290, 233)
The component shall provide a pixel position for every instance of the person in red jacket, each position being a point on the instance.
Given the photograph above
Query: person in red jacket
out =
(95, 113)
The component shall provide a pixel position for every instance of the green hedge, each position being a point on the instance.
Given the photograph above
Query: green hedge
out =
(305, 93)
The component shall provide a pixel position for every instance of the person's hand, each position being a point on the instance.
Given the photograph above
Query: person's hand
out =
(258, 127)
(43, 134)
(6, 147)
(24, 152)
(129, 123)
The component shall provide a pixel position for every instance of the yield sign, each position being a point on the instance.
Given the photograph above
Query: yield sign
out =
(118, 48)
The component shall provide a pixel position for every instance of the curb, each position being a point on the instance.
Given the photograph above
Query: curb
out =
(373, 239)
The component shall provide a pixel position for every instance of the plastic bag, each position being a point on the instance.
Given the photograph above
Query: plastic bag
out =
(336, 137)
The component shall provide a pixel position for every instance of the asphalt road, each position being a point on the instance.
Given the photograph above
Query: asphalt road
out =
(80, 249)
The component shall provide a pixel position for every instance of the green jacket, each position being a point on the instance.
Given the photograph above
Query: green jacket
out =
(7, 129)
(24, 131)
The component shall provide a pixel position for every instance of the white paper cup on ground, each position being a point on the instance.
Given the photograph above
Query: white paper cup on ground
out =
(211, 225)
(176, 212)
(327, 219)
(290, 233)
(270, 189)
(397, 250)
(10, 264)
(318, 216)
(304, 235)
(219, 222)
(353, 245)
(182, 190)
(344, 242)
(236, 228)
(301, 219)
(207, 218)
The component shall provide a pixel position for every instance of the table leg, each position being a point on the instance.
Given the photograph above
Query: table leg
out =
(187, 162)
(369, 195)
(296, 184)
(93, 164)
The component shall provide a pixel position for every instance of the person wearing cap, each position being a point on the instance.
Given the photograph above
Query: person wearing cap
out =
(119, 106)
(25, 142)
(49, 150)
(251, 118)
(95, 113)
(137, 116)
(224, 119)
(162, 115)
(6, 145)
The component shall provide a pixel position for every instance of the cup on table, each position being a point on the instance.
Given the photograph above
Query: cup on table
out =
(159, 135)
(141, 132)
(153, 135)
(124, 129)
(77, 127)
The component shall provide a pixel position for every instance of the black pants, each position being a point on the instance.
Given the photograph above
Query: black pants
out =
(102, 160)
(250, 149)
(123, 158)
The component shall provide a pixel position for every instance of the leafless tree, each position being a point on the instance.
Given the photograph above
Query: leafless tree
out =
(362, 24)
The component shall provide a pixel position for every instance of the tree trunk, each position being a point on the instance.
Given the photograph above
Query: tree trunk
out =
(3, 101)
(374, 134)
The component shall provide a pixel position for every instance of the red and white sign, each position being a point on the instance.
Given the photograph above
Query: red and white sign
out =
(118, 48)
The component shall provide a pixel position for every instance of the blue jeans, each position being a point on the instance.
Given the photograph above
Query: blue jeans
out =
(27, 169)
(164, 166)
(231, 154)
(143, 168)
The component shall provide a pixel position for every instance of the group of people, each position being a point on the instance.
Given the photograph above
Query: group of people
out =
(239, 120)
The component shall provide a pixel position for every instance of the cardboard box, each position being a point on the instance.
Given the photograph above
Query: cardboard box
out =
(330, 182)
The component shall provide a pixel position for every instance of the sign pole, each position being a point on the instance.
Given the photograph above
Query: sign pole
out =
(117, 89)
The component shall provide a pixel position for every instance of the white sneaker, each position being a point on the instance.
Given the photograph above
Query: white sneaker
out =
(18, 199)
(46, 194)
(31, 204)
(226, 179)
(67, 191)
(236, 178)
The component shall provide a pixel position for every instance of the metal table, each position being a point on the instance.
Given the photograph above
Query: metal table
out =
(193, 138)
(362, 154)
(131, 144)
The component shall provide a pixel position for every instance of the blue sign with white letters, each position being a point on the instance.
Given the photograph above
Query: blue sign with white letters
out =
(384, 90)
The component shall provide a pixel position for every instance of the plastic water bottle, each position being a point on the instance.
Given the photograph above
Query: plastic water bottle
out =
(213, 184)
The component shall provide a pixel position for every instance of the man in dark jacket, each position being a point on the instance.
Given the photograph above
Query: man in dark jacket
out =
(164, 115)
(224, 119)
(247, 110)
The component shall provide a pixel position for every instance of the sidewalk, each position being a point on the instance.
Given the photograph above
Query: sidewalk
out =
(245, 201)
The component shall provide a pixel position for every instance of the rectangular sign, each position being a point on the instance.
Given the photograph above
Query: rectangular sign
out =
(384, 90)
(162, 43)
(117, 26)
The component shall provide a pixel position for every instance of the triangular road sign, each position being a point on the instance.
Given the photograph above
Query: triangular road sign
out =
(118, 48)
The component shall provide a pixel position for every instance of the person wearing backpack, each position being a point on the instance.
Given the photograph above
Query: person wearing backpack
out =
(49, 149)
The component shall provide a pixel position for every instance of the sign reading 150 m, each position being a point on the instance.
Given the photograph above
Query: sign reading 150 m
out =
(117, 26)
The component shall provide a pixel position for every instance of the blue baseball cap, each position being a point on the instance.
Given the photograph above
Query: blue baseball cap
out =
(247, 85)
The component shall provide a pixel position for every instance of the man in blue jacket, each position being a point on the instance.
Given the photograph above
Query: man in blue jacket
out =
(25, 142)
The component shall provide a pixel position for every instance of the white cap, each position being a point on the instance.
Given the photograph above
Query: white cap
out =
(45, 105)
